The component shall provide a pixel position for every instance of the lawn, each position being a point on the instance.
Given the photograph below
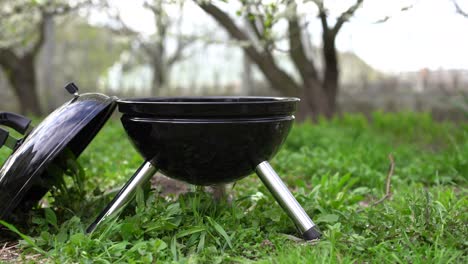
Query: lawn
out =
(337, 170)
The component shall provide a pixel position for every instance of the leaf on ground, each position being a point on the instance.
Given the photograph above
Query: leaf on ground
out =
(327, 218)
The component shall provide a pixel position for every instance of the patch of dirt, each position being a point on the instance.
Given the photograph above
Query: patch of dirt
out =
(9, 253)
(166, 186)
(267, 244)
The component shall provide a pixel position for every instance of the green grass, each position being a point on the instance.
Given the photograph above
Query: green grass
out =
(335, 168)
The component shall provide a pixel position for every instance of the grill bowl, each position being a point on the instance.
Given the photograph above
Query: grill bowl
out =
(207, 140)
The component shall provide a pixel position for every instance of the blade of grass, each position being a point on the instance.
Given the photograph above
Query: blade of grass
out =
(196, 229)
(26, 238)
(174, 248)
(201, 243)
(220, 230)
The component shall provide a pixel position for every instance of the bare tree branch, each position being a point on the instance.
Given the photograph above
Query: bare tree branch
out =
(124, 29)
(388, 185)
(41, 35)
(459, 9)
(182, 42)
(322, 14)
(230, 26)
(297, 51)
(345, 16)
(254, 25)
(254, 17)
(157, 10)
(161, 20)
(233, 30)
(386, 18)
(182, 45)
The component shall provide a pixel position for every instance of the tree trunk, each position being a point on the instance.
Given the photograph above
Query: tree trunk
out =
(317, 99)
(160, 72)
(330, 81)
(313, 93)
(247, 76)
(159, 57)
(277, 78)
(21, 72)
(48, 68)
(304, 112)
(22, 79)
(159, 79)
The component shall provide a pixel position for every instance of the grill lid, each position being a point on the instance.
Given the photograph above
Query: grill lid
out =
(24, 178)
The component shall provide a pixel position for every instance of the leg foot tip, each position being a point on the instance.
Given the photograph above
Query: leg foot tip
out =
(312, 234)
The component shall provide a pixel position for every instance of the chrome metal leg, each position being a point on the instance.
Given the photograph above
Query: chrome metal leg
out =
(287, 201)
(141, 176)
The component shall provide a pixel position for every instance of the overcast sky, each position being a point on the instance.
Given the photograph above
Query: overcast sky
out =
(430, 34)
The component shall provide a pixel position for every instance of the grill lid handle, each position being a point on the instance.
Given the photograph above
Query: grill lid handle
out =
(72, 89)
(15, 121)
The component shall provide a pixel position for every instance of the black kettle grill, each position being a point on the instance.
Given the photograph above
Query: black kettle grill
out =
(199, 140)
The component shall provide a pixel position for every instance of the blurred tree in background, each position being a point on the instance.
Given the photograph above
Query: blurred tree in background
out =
(317, 90)
(23, 26)
(82, 53)
(175, 47)
(155, 48)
